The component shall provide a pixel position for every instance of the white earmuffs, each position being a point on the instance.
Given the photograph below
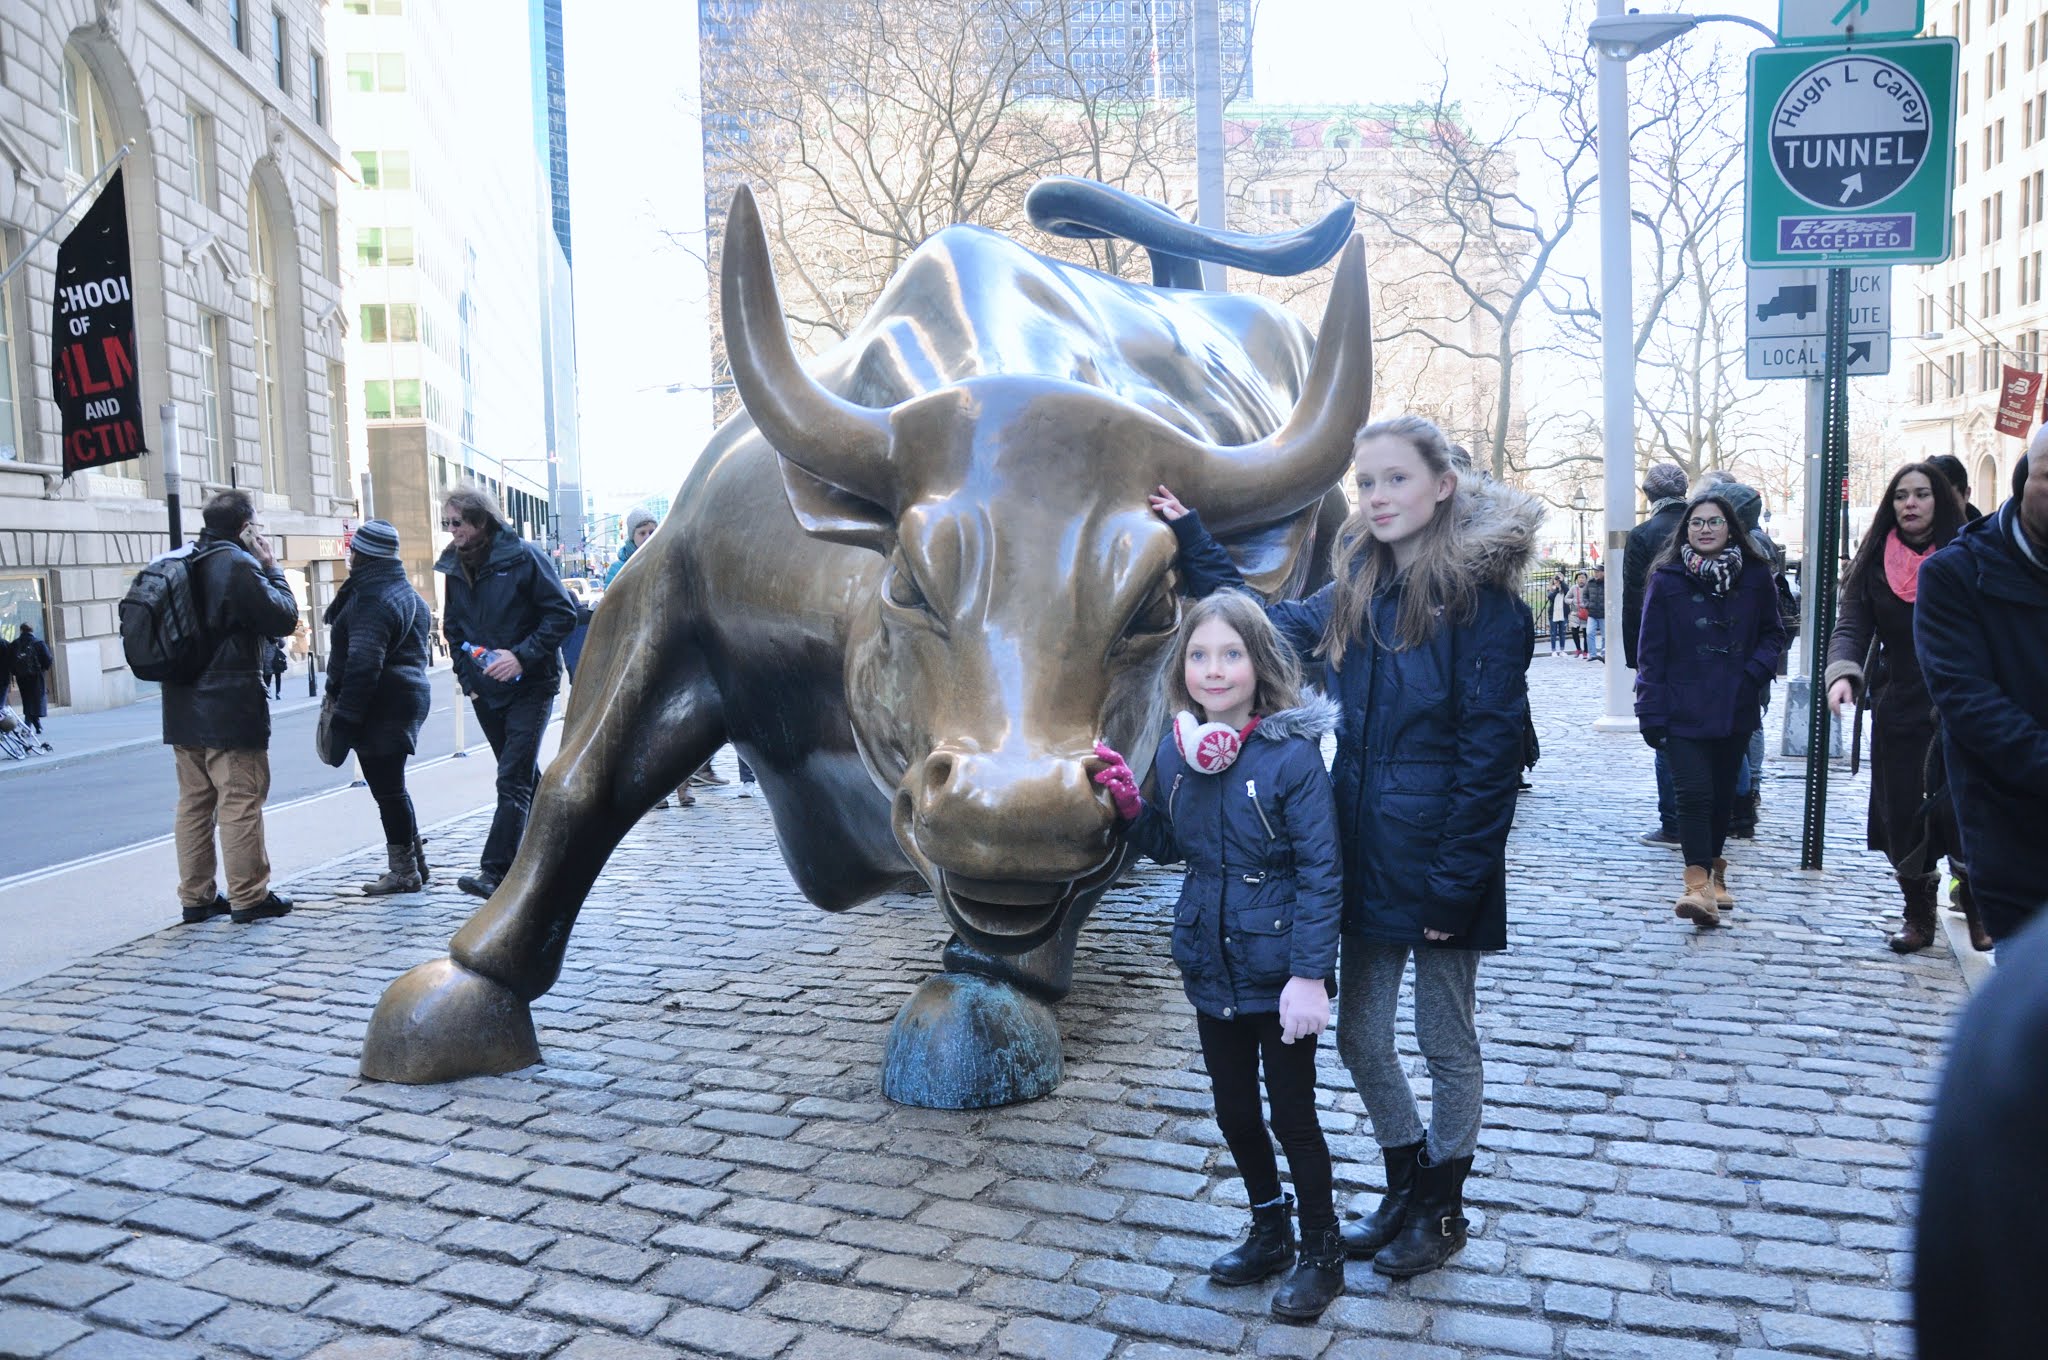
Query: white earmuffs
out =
(1208, 748)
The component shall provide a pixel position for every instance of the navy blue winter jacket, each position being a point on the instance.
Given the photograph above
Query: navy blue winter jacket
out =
(1429, 738)
(1262, 895)
(1704, 660)
(1981, 629)
(377, 657)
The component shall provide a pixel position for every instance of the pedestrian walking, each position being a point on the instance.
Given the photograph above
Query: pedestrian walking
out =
(1423, 640)
(1246, 802)
(28, 656)
(1871, 661)
(1664, 489)
(275, 665)
(1596, 614)
(1981, 629)
(1558, 610)
(504, 614)
(219, 725)
(377, 693)
(1709, 644)
(1580, 614)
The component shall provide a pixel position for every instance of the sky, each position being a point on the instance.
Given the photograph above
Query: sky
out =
(635, 176)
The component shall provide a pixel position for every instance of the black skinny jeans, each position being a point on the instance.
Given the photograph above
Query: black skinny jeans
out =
(1703, 771)
(386, 777)
(515, 731)
(1232, 1051)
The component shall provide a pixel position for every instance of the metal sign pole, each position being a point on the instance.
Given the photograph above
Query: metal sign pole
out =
(1822, 558)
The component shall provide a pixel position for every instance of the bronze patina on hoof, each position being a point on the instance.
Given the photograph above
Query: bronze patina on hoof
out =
(441, 1021)
(970, 1043)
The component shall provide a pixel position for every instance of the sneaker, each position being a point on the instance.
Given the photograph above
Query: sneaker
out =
(478, 884)
(1660, 837)
(271, 905)
(207, 911)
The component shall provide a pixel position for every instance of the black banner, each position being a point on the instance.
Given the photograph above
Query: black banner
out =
(93, 338)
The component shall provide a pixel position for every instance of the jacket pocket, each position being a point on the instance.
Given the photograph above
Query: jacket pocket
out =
(1262, 934)
(1188, 950)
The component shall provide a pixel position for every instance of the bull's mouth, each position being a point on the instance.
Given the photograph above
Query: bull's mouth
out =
(1011, 916)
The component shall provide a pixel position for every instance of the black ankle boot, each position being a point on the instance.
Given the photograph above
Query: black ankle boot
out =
(1266, 1250)
(1742, 820)
(1435, 1230)
(1365, 1237)
(1317, 1278)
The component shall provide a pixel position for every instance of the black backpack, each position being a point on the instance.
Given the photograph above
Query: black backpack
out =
(163, 624)
(28, 659)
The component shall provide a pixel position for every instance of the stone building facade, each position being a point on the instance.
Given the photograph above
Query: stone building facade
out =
(234, 226)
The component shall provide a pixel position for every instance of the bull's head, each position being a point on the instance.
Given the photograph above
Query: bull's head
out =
(1028, 592)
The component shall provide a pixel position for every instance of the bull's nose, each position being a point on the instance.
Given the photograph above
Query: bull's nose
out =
(990, 816)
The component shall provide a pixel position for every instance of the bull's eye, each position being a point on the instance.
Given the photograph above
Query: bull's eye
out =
(901, 589)
(1155, 618)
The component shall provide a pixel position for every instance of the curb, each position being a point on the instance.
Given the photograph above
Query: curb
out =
(17, 768)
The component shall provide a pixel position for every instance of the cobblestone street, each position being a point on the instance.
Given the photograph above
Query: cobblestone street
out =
(1696, 1145)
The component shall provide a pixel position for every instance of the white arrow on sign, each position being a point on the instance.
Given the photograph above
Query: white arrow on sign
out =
(1852, 186)
(1809, 21)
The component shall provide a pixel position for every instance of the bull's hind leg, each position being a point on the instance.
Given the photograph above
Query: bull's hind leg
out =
(644, 715)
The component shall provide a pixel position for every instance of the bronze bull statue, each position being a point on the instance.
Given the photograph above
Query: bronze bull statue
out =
(914, 583)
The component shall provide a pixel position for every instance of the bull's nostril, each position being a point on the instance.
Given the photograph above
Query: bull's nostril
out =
(937, 772)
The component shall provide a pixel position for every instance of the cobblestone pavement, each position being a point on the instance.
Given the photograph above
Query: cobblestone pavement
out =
(1696, 1145)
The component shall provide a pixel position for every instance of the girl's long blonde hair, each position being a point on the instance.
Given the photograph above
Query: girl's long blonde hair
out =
(1436, 585)
(1273, 661)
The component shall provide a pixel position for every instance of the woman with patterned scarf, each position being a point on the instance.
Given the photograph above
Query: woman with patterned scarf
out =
(1710, 642)
(1921, 511)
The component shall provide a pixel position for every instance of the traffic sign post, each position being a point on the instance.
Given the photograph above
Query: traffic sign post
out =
(1786, 321)
(1821, 570)
(1850, 155)
(1848, 21)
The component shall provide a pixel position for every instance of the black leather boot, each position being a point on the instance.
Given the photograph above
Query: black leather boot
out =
(1919, 929)
(1742, 821)
(1435, 1230)
(1317, 1278)
(1365, 1237)
(1266, 1250)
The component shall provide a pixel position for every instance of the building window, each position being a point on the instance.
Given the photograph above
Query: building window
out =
(316, 86)
(405, 398)
(330, 245)
(378, 7)
(199, 155)
(238, 26)
(263, 312)
(384, 169)
(377, 399)
(280, 51)
(10, 408)
(219, 449)
(398, 247)
(88, 125)
(370, 246)
(378, 72)
(374, 323)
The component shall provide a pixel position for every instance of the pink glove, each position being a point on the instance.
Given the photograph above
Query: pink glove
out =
(1116, 776)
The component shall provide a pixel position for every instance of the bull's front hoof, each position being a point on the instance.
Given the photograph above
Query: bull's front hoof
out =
(964, 1042)
(441, 1021)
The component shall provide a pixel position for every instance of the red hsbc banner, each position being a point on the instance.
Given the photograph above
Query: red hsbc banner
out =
(2018, 395)
(92, 343)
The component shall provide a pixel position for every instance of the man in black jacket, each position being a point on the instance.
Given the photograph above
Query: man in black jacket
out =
(219, 725)
(502, 599)
(1664, 488)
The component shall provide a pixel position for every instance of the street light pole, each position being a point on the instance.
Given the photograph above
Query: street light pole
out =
(1579, 507)
(1617, 353)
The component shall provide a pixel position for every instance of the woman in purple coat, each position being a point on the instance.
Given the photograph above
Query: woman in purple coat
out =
(1710, 642)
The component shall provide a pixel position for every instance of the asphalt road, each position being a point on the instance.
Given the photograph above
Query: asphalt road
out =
(92, 806)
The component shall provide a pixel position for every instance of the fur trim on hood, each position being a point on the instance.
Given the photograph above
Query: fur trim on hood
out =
(1315, 718)
(1500, 526)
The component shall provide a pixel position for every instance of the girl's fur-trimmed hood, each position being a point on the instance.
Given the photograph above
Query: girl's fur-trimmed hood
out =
(1314, 718)
(1500, 525)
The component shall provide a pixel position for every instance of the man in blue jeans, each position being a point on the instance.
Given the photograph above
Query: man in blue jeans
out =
(1596, 614)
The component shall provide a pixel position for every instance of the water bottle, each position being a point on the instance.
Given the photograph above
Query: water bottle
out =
(484, 656)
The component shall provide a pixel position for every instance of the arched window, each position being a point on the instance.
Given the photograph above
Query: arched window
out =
(1986, 486)
(263, 312)
(88, 123)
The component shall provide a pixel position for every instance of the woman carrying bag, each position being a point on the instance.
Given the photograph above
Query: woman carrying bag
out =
(377, 692)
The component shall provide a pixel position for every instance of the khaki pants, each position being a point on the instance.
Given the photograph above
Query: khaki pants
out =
(227, 787)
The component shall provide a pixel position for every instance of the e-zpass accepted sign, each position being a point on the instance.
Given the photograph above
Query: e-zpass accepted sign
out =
(1850, 132)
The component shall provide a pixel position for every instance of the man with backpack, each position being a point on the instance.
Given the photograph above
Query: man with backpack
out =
(217, 722)
(30, 660)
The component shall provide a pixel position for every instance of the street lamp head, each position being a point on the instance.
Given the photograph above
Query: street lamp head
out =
(1622, 36)
(1579, 501)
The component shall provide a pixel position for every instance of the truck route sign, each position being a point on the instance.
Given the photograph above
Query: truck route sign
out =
(1850, 154)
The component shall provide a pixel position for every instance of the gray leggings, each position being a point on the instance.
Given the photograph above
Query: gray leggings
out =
(1445, 980)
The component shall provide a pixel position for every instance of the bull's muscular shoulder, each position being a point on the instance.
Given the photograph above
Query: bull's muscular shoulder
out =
(970, 302)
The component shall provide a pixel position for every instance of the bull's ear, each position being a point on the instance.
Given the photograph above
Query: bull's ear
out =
(1278, 561)
(835, 515)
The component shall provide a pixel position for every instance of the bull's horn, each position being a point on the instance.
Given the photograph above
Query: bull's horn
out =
(1245, 485)
(840, 443)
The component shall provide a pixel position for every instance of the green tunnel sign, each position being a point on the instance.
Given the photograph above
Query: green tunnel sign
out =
(1850, 156)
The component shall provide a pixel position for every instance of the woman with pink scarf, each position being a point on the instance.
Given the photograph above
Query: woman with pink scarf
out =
(1872, 650)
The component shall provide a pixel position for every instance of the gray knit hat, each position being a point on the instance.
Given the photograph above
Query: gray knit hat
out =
(636, 517)
(1664, 481)
(375, 539)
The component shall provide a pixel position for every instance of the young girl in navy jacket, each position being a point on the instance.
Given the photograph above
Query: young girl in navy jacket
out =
(1240, 793)
(1423, 640)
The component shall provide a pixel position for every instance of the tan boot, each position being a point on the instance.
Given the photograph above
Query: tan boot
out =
(1723, 899)
(1696, 903)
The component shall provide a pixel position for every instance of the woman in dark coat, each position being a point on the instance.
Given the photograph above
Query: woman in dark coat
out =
(30, 659)
(377, 692)
(1710, 643)
(1423, 641)
(1920, 512)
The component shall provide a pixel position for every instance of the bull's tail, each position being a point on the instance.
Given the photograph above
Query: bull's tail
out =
(1089, 210)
